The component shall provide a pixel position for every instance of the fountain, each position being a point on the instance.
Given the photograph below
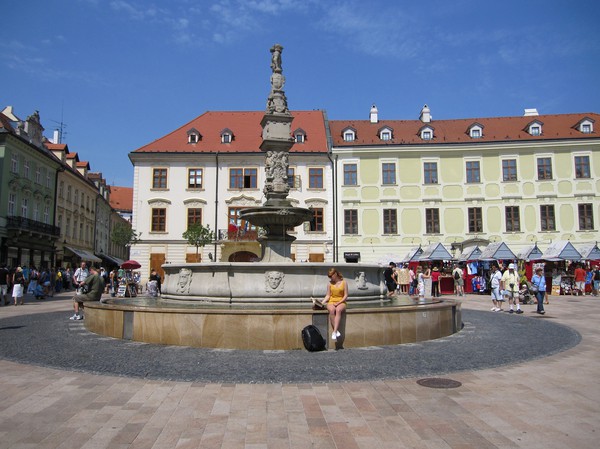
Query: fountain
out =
(265, 304)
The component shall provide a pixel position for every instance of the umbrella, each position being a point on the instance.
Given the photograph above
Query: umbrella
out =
(130, 265)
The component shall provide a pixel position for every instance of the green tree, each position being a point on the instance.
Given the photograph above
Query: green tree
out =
(123, 235)
(198, 236)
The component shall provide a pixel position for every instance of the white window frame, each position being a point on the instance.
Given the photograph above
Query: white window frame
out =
(12, 202)
(427, 133)
(349, 135)
(14, 164)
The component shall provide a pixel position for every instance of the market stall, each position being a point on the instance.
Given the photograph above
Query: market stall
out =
(590, 254)
(437, 252)
(560, 256)
(475, 277)
(497, 252)
(128, 285)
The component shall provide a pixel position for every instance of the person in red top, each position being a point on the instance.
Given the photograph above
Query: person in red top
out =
(435, 282)
(580, 279)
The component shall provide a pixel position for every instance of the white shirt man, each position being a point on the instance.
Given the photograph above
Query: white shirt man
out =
(510, 284)
(80, 275)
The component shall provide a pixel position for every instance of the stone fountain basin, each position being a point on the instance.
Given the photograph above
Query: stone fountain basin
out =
(271, 216)
(291, 283)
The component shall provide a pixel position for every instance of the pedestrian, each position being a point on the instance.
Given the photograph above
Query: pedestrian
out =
(336, 297)
(420, 283)
(579, 278)
(389, 276)
(4, 284)
(459, 282)
(80, 276)
(538, 285)
(595, 280)
(435, 282)
(497, 298)
(510, 285)
(413, 281)
(18, 282)
(93, 287)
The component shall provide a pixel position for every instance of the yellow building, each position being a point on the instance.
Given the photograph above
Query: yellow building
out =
(405, 183)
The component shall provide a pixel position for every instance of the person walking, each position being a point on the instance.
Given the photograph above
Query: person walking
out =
(18, 282)
(80, 276)
(538, 285)
(595, 280)
(459, 282)
(389, 276)
(3, 285)
(435, 282)
(510, 285)
(497, 298)
(579, 278)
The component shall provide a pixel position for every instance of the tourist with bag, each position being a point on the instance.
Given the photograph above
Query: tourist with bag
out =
(538, 285)
(80, 276)
(18, 286)
(90, 290)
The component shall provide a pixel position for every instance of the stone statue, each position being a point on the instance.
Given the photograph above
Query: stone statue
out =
(277, 102)
(276, 58)
(274, 281)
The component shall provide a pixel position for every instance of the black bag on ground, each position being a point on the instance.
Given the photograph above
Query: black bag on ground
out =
(312, 339)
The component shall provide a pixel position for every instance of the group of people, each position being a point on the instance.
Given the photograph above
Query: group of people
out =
(506, 287)
(22, 280)
(404, 281)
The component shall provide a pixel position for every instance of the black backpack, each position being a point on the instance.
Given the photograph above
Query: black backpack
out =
(456, 275)
(312, 339)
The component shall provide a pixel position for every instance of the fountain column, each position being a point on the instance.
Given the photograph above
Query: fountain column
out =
(277, 214)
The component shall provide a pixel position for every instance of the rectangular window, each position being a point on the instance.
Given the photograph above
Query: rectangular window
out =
(38, 175)
(350, 175)
(36, 211)
(351, 221)
(509, 170)
(544, 168)
(26, 169)
(194, 215)
(386, 135)
(24, 206)
(475, 219)
(473, 172)
(315, 178)
(430, 171)
(316, 224)
(159, 220)
(432, 221)
(586, 217)
(547, 220)
(582, 167)
(243, 178)
(12, 201)
(388, 173)
(14, 164)
(195, 178)
(390, 221)
(159, 178)
(513, 223)
(291, 180)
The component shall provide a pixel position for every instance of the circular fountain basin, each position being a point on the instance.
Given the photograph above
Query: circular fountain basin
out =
(268, 327)
(276, 283)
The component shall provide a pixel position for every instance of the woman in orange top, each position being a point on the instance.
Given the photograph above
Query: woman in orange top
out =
(337, 294)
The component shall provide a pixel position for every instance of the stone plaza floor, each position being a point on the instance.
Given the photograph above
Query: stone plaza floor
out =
(524, 381)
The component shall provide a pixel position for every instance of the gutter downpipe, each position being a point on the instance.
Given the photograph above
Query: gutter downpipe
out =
(334, 182)
(216, 204)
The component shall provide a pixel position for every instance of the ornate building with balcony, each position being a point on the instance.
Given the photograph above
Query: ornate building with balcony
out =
(28, 173)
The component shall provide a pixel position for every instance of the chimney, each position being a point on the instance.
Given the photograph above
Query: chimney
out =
(530, 112)
(373, 116)
(55, 138)
(425, 116)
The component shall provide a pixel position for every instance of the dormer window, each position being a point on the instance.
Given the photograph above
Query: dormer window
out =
(586, 126)
(427, 133)
(193, 136)
(349, 135)
(226, 136)
(535, 128)
(475, 131)
(385, 133)
(299, 136)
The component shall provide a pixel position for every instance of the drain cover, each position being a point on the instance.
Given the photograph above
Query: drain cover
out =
(437, 382)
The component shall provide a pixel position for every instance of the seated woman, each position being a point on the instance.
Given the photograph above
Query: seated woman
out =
(336, 297)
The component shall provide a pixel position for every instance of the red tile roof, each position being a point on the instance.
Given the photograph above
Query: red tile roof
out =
(495, 129)
(121, 198)
(246, 130)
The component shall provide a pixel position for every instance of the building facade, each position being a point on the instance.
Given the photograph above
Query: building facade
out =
(28, 173)
(410, 183)
(211, 168)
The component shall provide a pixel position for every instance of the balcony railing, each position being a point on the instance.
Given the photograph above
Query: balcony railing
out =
(25, 224)
(239, 235)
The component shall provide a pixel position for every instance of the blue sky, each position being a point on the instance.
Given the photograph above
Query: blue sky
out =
(122, 73)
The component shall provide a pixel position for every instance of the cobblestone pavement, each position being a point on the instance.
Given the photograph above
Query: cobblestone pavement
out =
(527, 381)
